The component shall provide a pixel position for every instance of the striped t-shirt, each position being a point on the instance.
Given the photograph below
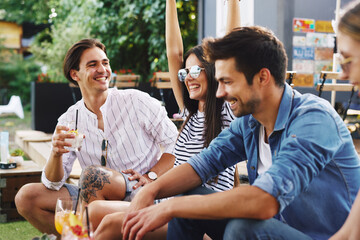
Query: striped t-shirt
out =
(191, 142)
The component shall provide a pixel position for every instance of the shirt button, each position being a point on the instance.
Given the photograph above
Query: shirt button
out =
(252, 168)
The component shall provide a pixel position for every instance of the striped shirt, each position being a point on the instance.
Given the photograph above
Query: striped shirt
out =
(135, 125)
(191, 142)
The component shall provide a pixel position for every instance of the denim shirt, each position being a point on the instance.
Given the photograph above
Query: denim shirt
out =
(315, 171)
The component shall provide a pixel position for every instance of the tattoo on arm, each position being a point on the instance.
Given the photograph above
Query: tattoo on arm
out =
(92, 180)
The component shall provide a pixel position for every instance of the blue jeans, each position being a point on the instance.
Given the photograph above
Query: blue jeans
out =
(229, 229)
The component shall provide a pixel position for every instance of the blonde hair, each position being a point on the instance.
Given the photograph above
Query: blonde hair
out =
(349, 23)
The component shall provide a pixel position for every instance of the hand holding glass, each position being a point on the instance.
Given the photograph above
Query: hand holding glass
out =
(77, 141)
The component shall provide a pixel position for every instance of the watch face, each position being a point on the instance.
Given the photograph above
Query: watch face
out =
(152, 175)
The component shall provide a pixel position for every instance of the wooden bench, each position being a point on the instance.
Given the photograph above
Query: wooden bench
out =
(125, 81)
(335, 87)
(343, 87)
(161, 80)
(11, 180)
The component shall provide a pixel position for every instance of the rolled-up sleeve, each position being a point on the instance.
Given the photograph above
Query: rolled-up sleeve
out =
(305, 149)
(157, 122)
(224, 151)
(52, 185)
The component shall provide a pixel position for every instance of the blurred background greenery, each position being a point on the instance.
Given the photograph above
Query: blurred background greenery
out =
(133, 32)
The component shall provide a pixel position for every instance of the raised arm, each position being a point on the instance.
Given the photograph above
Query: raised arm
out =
(233, 15)
(174, 49)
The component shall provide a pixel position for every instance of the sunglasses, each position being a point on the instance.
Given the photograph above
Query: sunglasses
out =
(345, 63)
(104, 147)
(194, 72)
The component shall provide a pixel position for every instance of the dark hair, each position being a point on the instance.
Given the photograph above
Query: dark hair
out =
(213, 105)
(253, 48)
(350, 20)
(73, 55)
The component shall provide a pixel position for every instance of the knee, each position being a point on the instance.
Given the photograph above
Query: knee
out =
(86, 173)
(94, 176)
(94, 208)
(24, 199)
(100, 183)
(114, 220)
(110, 227)
(95, 212)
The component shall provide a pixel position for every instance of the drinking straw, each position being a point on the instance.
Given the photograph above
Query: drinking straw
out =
(77, 200)
(87, 220)
(76, 119)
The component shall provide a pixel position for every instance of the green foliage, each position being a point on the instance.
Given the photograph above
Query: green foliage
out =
(16, 74)
(17, 152)
(20, 11)
(133, 31)
(73, 23)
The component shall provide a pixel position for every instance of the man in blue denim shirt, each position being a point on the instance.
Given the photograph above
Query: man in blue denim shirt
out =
(303, 167)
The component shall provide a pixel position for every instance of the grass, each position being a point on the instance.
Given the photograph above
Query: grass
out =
(21, 230)
(11, 123)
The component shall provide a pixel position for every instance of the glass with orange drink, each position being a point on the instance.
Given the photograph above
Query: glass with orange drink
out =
(65, 206)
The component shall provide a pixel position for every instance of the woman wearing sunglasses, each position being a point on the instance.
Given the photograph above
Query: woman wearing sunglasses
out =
(348, 37)
(194, 86)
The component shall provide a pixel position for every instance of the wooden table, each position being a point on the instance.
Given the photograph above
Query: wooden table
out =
(11, 180)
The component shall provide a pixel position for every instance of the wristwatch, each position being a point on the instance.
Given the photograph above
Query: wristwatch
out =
(152, 175)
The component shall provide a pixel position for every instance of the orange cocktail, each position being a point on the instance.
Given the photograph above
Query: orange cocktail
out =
(75, 230)
(65, 206)
(61, 218)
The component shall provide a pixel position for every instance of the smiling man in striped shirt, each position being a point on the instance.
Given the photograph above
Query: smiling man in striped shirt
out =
(124, 130)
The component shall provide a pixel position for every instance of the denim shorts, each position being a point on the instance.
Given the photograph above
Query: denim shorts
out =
(72, 189)
(130, 191)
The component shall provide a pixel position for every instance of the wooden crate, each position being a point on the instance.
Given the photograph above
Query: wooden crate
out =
(11, 180)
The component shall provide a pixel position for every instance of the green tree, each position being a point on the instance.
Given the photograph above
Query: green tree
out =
(72, 23)
(16, 74)
(133, 31)
(20, 11)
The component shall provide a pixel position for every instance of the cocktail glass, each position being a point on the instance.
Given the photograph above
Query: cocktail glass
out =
(77, 233)
(65, 206)
(77, 141)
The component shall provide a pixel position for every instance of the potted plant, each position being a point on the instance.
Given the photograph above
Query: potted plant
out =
(17, 156)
